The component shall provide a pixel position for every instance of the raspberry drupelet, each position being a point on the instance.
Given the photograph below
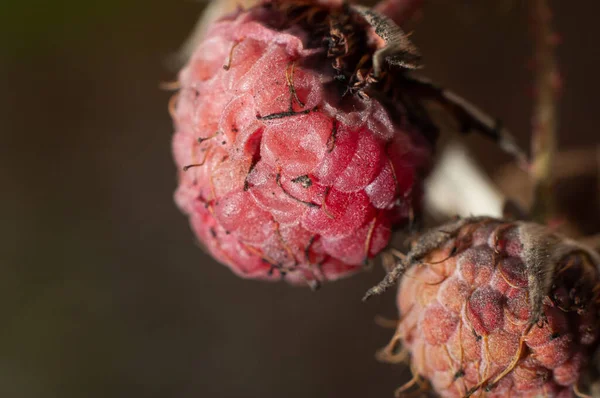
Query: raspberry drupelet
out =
(290, 166)
(496, 309)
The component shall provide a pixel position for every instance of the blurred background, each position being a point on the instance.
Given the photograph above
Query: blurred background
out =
(103, 291)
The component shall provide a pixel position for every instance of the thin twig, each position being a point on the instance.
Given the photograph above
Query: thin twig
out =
(547, 87)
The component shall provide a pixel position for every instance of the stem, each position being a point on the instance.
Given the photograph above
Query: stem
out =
(547, 88)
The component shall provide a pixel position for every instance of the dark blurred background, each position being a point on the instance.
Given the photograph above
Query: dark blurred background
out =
(103, 292)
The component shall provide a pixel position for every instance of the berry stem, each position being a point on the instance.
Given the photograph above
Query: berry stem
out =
(544, 134)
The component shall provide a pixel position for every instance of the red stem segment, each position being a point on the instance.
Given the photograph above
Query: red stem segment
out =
(547, 90)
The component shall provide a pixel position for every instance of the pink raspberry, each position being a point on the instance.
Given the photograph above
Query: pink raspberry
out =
(295, 162)
(499, 309)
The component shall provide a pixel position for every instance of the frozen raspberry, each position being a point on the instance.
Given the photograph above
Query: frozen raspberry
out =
(499, 309)
(296, 158)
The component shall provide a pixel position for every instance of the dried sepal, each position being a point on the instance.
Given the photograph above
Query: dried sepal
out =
(398, 50)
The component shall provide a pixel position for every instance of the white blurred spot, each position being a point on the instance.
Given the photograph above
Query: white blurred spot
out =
(458, 186)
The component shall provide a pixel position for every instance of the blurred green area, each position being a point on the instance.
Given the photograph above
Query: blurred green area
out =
(36, 25)
(103, 292)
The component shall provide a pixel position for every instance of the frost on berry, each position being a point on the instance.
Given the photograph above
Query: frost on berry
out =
(496, 309)
(295, 161)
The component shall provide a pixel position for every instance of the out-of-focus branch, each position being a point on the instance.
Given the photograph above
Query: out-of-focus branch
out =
(544, 134)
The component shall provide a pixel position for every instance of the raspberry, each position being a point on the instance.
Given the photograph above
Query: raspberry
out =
(295, 161)
(498, 308)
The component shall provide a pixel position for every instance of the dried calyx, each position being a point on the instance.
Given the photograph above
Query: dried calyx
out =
(365, 47)
(365, 53)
